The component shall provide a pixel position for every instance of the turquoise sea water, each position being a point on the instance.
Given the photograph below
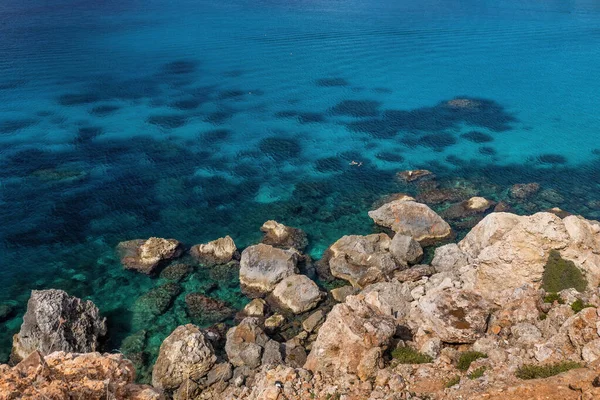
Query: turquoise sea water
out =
(196, 119)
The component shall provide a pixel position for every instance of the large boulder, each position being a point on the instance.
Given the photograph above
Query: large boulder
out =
(412, 219)
(184, 355)
(55, 321)
(246, 343)
(262, 267)
(279, 235)
(296, 293)
(405, 250)
(146, 256)
(449, 258)
(510, 251)
(362, 260)
(66, 376)
(220, 251)
(452, 315)
(353, 338)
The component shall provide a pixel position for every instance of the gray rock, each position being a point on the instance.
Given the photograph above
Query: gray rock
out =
(449, 258)
(406, 250)
(272, 354)
(340, 294)
(414, 273)
(245, 343)
(55, 321)
(262, 267)
(313, 320)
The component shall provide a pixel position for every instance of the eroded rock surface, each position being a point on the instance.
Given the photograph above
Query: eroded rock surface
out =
(262, 267)
(220, 251)
(146, 256)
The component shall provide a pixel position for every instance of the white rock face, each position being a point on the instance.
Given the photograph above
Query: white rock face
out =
(262, 267)
(509, 251)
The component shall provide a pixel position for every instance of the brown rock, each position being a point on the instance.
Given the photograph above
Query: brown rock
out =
(146, 255)
(262, 267)
(414, 175)
(205, 308)
(524, 190)
(285, 237)
(296, 293)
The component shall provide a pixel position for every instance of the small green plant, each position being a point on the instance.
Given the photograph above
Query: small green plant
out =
(478, 373)
(552, 297)
(466, 358)
(530, 371)
(560, 274)
(407, 355)
(579, 305)
(453, 381)
(543, 316)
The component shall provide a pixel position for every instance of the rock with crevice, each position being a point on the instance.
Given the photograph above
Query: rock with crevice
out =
(245, 343)
(146, 256)
(262, 267)
(412, 219)
(216, 252)
(282, 236)
(297, 294)
(55, 321)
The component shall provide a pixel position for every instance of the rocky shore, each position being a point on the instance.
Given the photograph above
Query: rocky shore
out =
(509, 311)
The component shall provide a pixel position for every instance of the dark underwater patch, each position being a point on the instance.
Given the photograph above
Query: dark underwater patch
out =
(302, 117)
(216, 136)
(437, 141)
(356, 108)
(14, 125)
(329, 164)
(77, 99)
(88, 133)
(231, 94)
(376, 128)
(280, 149)
(167, 121)
(487, 151)
(477, 137)
(180, 67)
(331, 82)
(218, 117)
(552, 159)
(185, 104)
(389, 156)
(12, 84)
(104, 110)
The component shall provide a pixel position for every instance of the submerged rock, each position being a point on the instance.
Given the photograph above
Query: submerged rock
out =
(414, 175)
(262, 267)
(279, 235)
(296, 293)
(201, 307)
(146, 256)
(184, 355)
(362, 259)
(157, 300)
(176, 272)
(524, 190)
(66, 376)
(220, 251)
(412, 219)
(55, 321)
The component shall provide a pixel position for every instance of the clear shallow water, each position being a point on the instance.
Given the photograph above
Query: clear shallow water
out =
(199, 119)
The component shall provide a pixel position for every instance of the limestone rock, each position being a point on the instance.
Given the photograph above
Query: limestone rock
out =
(350, 337)
(510, 251)
(313, 320)
(245, 343)
(412, 219)
(220, 251)
(274, 322)
(184, 354)
(405, 250)
(262, 267)
(449, 258)
(176, 272)
(340, 294)
(146, 255)
(524, 190)
(256, 308)
(452, 315)
(296, 293)
(55, 321)
(82, 376)
(361, 259)
(414, 175)
(414, 273)
(279, 235)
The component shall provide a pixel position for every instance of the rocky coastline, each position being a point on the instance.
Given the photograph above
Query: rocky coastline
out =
(509, 311)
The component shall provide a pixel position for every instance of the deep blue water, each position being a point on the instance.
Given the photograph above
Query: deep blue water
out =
(196, 119)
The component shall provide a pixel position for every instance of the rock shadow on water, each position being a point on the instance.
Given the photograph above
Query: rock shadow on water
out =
(487, 151)
(332, 82)
(356, 108)
(87, 133)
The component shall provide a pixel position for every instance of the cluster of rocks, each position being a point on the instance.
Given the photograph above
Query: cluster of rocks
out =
(398, 328)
